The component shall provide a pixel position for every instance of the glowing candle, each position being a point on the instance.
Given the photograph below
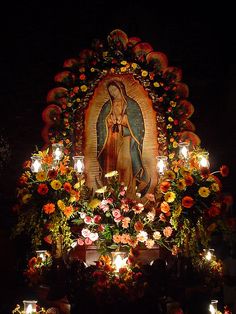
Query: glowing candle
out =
(30, 307)
(203, 160)
(79, 164)
(161, 164)
(119, 260)
(184, 150)
(213, 306)
(41, 254)
(36, 164)
(57, 151)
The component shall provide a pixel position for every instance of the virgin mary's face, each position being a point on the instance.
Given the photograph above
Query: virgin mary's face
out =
(114, 91)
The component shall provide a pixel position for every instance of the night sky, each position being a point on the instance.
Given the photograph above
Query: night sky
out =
(36, 39)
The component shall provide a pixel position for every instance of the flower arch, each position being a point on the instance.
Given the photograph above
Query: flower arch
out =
(66, 103)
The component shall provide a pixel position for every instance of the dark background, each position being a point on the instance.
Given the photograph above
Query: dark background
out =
(37, 37)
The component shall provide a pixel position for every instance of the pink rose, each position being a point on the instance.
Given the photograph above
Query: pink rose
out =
(88, 220)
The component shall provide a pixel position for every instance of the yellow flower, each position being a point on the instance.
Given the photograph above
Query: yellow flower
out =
(78, 99)
(171, 155)
(123, 62)
(94, 203)
(169, 126)
(92, 70)
(79, 184)
(172, 103)
(41, 176)
(170, 119)
(177, 212)
(204, 191)
(134, 65)
(181, 184)
(175, 144)
(61, 204)
(169, 197)
(111, 174)
(83, 88)
(104, 54)
(170, 175)
(101, 190)
(156, 84)
(144, 73)
(215, 187)
(123, 69)
(26, 198)
(56, 185)
(69, 104)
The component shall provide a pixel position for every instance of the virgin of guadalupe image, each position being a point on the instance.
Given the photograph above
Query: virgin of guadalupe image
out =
(120, 133)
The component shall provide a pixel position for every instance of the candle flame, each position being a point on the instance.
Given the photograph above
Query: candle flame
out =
(184, 152)
(79, 166)
(161, 166)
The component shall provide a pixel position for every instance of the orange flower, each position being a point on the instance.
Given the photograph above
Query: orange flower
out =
(67, 187)
(42, 189)
(189, 180)
(165, 207)
(167, 232)
(68, 211)
(187, 201)
(164, 186)
(138, 226)
(224, 170)
(49, 208)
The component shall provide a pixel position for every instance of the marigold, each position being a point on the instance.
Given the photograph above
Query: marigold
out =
(189, 180)
(56, 185)
(61, 204)
(164, 186)
(170, 175)
(49, 208)
(165, 207)
(68, 211)
(181, 184)
(41, 176)
(204, 192)
(187, 201)
(67, 187)
(170, 197)
(42, 189)
(167, 231)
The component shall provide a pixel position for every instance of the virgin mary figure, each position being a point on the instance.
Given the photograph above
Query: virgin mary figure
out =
(120, 133)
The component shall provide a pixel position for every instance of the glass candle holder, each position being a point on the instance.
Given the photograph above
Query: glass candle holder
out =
(184, 151)
(203, 160)
(57, 151)
(30, 306)
(36, 164)
(209, 254)
(213, 306)
(79, 164)
(119, 260)
(42, 254)
(161, 164)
